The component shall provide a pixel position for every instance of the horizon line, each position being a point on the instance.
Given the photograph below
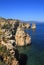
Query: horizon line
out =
(23, 20)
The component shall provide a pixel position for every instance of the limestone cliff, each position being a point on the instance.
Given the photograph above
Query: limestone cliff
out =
(12, 34)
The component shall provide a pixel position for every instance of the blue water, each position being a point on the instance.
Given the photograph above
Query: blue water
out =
(35, 52)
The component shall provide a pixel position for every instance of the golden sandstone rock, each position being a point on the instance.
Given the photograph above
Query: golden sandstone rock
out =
(22, 38)
(28, 39)
(15, 62)
(7, 38)
(24, 25)
(33, 26)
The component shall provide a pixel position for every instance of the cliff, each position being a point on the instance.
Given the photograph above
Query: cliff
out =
(15, 29)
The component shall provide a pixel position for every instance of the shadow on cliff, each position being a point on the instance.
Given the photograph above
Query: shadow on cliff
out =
(1, 58)
(22, 58)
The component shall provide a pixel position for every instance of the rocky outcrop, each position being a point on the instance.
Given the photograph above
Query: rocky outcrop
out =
(24, 25)
(2, 21)
(21, 37)
(27, 25)
(15, 62)
(7, 56)
(28, 39)
(33, 26)
(16, 29)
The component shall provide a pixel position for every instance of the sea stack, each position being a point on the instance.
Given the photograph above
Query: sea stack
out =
(33, 26)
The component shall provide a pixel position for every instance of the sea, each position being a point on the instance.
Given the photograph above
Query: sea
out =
(34, 53)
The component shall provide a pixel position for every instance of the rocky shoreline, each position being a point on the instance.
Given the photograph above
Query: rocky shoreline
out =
(12, 34)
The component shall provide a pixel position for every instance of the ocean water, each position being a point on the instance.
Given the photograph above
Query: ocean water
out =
(34, 54)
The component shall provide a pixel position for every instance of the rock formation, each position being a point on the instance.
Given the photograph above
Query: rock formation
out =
(21, 37)
(7, 56)
(33, 26)
(24, 25)
(12, 34)
(15, 28)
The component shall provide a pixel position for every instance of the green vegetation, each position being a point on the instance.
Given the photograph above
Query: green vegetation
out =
(1, 63)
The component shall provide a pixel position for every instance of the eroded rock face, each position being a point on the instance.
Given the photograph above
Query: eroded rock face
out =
(15, 62)
(12, 31)
(22, 38)
(28, 39)
(16, 29)
(27, 25)
(7, 56)
(24, 25)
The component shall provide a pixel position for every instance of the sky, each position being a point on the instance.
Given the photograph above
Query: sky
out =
(27, 10)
